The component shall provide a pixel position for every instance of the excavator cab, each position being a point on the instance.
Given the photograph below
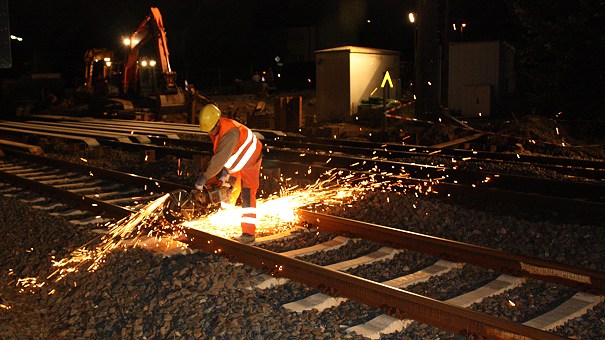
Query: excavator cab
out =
(101, 74)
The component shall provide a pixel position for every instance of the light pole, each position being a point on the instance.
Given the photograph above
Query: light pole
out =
(125, 52)
(412, 19)
(427, 59)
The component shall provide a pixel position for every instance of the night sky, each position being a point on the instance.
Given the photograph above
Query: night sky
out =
(234, 36)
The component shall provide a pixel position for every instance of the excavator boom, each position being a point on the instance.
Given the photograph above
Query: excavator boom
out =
(152, 27)
(134, 84)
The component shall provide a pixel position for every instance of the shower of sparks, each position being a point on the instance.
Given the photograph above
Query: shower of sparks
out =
(130, 228)
(276, 213)
(3, 306)
(29, 284)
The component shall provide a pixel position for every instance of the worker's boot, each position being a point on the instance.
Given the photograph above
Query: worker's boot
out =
(245, 238)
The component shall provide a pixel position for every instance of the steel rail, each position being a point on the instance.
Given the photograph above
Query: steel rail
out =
(587, 168)
(295, 154)
(413, 150)
(73, 131)
(76, 200)
(395, 302)
(541, 269)
(108, 127)
(92, 142)
(150, 183)
(82, 201)
(588, 191)
(527, 188)
(547, 187)
(574, 210)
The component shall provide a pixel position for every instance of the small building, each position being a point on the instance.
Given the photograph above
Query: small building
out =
(480, 78)
(349, 74)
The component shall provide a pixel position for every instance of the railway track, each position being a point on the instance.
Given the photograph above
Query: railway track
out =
(399, 304)
(578, 201)
(89, 188)
(591, 169)
(157, 133)
(36, 173)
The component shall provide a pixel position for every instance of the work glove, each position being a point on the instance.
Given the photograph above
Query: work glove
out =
(200, 182)
(223, 176)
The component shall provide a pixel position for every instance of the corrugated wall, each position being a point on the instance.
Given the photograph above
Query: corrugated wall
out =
(474, 67)
(332, 87)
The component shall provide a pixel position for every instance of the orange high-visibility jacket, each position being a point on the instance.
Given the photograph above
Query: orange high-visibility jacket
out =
(248, 149)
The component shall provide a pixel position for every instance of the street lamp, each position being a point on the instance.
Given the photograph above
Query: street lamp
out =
(462, 28)
(412, 19)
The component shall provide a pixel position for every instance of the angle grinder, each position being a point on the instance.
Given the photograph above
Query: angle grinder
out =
(184, 206)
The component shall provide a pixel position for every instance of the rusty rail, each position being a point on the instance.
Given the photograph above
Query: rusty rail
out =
(79, 200)
(541, 269)
(395, 302)
(123, 177)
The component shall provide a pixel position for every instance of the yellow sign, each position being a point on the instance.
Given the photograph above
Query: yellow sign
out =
(387, 77)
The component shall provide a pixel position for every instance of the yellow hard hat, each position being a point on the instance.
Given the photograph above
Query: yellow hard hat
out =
(209, 116)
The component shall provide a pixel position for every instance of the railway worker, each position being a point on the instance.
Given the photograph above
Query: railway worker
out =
(237, 157)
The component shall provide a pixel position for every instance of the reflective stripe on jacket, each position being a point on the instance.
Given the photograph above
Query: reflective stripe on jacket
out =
(248, 147)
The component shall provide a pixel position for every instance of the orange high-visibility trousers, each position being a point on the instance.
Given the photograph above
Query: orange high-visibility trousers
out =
(245, 187)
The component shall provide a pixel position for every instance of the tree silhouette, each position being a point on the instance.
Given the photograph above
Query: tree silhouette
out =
(560, 52)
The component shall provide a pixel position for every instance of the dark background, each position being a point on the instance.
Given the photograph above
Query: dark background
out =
(204, 35)
(559, 45)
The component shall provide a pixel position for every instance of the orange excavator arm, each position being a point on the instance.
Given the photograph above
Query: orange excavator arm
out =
(152, 27)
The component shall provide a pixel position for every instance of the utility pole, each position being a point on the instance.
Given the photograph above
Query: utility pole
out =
(5, 44)
(427, 59)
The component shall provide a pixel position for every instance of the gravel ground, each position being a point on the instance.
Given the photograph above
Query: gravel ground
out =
(581, 245)
(529, 300)
(137, 293)
(530, 170)
(402, 264)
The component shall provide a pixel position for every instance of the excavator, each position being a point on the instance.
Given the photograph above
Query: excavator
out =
(138, 83)
(98, 71)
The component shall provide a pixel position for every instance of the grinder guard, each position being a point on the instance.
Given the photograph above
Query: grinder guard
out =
(183, 206)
